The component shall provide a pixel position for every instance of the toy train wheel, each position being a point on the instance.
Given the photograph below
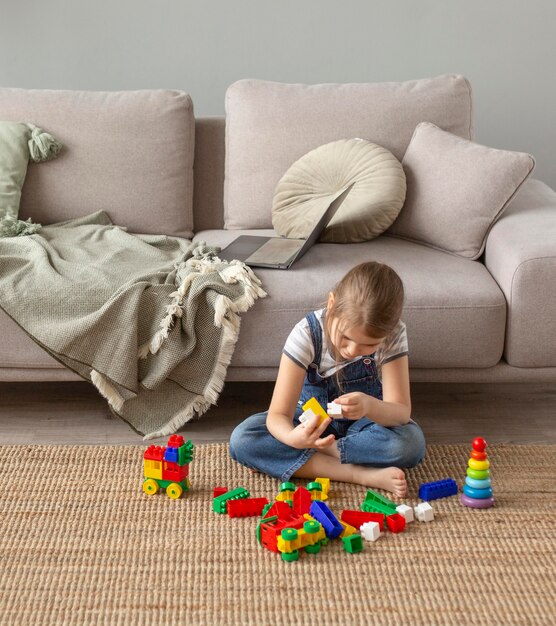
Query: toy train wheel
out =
(174, 491)
(150, 486)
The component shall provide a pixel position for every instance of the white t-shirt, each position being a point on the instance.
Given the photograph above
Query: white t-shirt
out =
(299, 348)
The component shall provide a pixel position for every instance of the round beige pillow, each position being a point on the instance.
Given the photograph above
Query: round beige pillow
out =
(313, 181)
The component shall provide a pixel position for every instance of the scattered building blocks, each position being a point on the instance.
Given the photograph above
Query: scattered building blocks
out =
(301, 501)
(324, 515)
(218, 491)
(315, 489)
(325, 482)
(167, 467)
(291, 540)
(477, 490)
(348, 529)
(406, 512)
(280, 509)
(314, 405)
(374, 502)
(219, 503)
(358, 518)
(353, 543)
(334, 410)
(395, 522)
(246, 507)
(438, 489)
(424, 512)
(286, 491)
(370, 531)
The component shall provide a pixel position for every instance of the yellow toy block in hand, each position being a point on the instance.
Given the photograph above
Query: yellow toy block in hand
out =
(313, 405)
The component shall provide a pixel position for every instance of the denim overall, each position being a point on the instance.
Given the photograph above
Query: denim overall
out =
(361, 441)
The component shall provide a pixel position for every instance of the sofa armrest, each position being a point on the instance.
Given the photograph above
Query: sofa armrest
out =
(520, 254)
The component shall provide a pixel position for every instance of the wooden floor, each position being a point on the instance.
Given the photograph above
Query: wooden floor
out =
(74, 413)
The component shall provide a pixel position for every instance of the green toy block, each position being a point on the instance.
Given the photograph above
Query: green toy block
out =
(374, 502)
(219, 503)
(185, 453)
(353, 543)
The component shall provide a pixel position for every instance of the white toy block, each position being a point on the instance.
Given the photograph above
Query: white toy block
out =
(334, 410)
(424, 512)
(406, 512)
(306, 416)
(370, 531)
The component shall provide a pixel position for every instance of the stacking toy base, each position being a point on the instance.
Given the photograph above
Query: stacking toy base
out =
(476, 503)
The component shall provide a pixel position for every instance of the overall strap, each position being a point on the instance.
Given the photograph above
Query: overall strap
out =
(316, 335)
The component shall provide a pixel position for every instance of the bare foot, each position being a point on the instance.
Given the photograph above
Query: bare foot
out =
(389, 478)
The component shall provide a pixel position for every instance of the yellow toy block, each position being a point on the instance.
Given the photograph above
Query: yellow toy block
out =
(348, 529)
(314, 405)
(153, 469)
(325, 482)
(302, 540)
(284, 495)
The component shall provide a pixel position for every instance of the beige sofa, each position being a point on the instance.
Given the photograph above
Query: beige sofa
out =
(145, 159)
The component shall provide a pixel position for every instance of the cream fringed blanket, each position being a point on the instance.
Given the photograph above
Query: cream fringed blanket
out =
(151, 320)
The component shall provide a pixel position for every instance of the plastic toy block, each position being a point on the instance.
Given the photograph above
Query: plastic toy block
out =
(185, 453)
(173, 471)
(373, 496)
(314, 405)
(406, 512)
(173, 489)
(152, 469)
(269, 528)
(353, 543)
(219, 503)
(175, 441)
(438, 489)
(324, 515)
(395, 523)
(302, 501)
(246, 507)
(218, 491)
(424, 512)
(308, 537)
(154, 453)
(315, 489)
(374, 505)
(325, 482)
(306, 416)
(348, 529)
(281, 510)
(334, 410)
(171, 455)
(286, 491)
(358, 518)
(370, 531)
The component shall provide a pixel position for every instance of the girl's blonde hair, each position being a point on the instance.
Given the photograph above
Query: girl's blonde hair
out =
(369, 296)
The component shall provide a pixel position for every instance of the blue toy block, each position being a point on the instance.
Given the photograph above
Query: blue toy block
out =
(438, 489)
(329, 521)
(171, 455)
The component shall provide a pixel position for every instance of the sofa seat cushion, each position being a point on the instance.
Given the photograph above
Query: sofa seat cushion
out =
(455, 312)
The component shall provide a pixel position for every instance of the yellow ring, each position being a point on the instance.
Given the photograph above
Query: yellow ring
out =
(479, 465)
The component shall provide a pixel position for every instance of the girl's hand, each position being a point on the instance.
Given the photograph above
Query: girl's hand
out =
(308, 435)
(354, 405)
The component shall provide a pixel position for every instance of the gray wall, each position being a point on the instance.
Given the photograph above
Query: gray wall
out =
(506, 48)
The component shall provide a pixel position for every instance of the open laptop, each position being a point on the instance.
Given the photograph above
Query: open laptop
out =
(279, 252)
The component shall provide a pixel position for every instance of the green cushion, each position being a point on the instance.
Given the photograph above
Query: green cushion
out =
(18, 143)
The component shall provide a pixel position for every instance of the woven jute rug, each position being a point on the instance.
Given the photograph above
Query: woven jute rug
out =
(81, 543)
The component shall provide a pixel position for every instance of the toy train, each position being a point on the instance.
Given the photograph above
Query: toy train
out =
(167, 467)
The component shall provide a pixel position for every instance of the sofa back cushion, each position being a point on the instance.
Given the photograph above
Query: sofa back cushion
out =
(129, 153)
(270, 125)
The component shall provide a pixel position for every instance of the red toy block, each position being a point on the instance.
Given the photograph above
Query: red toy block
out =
(395, 522)
(246, 507)
(174, 472)
(154, 453)
(218, 491)
(175, 441)
(357, 518)
(302, 501)
(281, 509)
(270, 528)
